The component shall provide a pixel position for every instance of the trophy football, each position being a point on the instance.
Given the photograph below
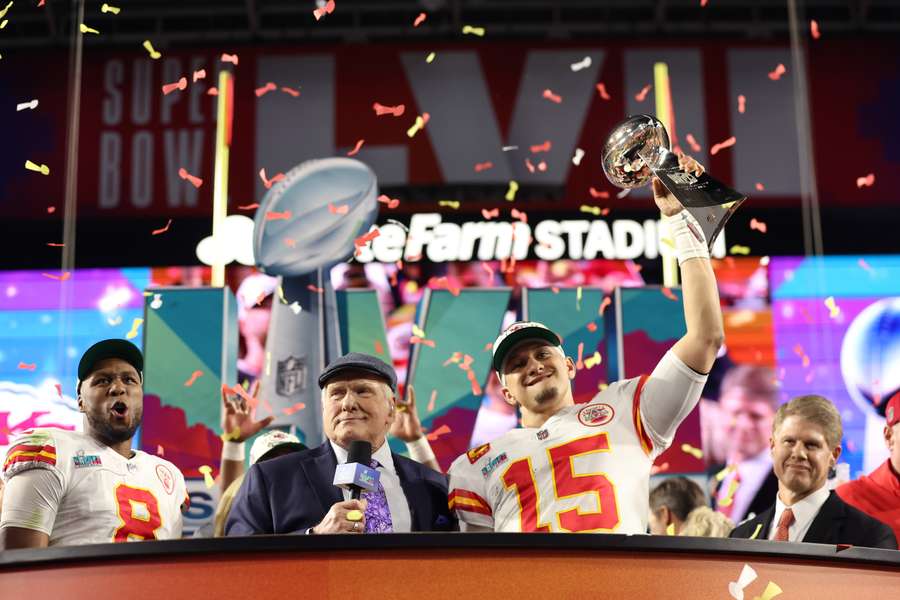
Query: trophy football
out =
(638, 148)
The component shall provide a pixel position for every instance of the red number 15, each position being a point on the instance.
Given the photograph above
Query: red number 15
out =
(566, 484)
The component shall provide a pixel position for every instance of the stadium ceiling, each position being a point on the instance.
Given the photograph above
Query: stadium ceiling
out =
(169, 23)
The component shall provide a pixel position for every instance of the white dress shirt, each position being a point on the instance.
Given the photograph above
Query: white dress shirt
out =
(805, 512)
(396, 499)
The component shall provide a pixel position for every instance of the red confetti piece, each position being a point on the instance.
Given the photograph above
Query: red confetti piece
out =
(418, 340)
(272, 215)
(722, 145)
(601, 89)
(379, 348)
(665, 466)
(642, 95)
(863, 264)
(668, 293)
(542, 166)
(579, 364)
(58, 389)
(554, 289)
(55, 245)
(262, 91)
(432, 400)
(168, 88)
(313, 288)
(356, 148)
(695, 147)
(530, 166)
(549, 95)
(442, 430)
(545, 147)
(51, 210)
(391, 202)
(290, 91)
(420, 19)
(479, 167)
(758, 225)
(198, 75)
(27, 366)
(443, 282)
(592, 327)
(520, 215)
(777, 73)
(598, 194)
(338, 210)
(490, 214)
(759, 187)
(476, 388)
(289, 410)
(268, 182)
(867, 181)
(366, 238)
(195, 181)
(63, 277)
(253, 206)
(487, 268)
(742, 103)
(212, 91)
(321, 12)
(193, 378)
(381, 109)
(814, 29)
(160, 451)
(162, 230)
(230, 58)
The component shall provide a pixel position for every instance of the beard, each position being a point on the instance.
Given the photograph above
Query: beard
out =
(546, 395)
(105, 431)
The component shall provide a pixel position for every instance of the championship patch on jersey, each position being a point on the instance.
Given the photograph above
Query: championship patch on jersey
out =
(493, 464)
(596, 415)
(86, 460)
(475, 453)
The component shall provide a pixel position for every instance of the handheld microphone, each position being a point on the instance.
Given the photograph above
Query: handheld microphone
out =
(355, 474)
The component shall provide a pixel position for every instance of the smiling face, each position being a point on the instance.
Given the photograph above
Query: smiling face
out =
(357, 406)
(536, 376)
(801, 456)
(112, 400)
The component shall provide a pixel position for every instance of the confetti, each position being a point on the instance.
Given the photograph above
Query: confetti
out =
(799, 351)
(442, 430)
(729, 493)
(529, 166)
(289, 410)
(290, 91)
(157, 301)
(695, 147)
(430, 58)
(195, 181)
(601, 89)
(193, 378)
(668, 293)
(594, 210)
(253, 206)
(736, 588)
(42, 169)
(85, 29)
(229, 58)
(770, 592)
(27, 366)
(168, 88)
(865, 266)
(670, 529)
(722, 145)
(814, 29)
(268, 182)
(545, 147)
(511, 191)
(490, 214)
(655, 469)
(508, 148)
(207, 475)
(695, 452)
(756, 531)
(322, 11)
(5, 9)
(777, 73)
(431, 400)
(584, 63)
(148, 46)
(338, 210)
(520, 215)
(487, 268)
(163, 230)
(366, 238)
(272, 215)
(867, 181)
(834, 310)
(391, 202)
(760, 187)
(357, 147)
(606, 302)
(592, 327)
(484, 166)
(725, 472)
(549, 95)
(381, 109)
(133, 332)
(160, 451)
(592, 361)
(262, 91)
(106, 8)
(579, 364)
(642, 95)
(315, 289)
(27, 105)
(65, 275)
(758, 225)
(420, 19)
(736, 249)
(597, 194)
(742, 103)
(468, 29)
(579, 154)
(443, 283)
(212, 92)
(58, 389)
(454, 204)
(418, 125)
(417, 340)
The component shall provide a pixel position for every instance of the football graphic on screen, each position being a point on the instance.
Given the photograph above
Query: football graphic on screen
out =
(870, 355)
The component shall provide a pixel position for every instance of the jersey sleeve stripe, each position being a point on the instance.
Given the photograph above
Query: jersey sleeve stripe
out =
(30, 457)
(646, 441)
(469, 501)
(22, 453)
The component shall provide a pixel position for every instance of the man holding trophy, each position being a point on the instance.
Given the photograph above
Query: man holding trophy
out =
(586, 468)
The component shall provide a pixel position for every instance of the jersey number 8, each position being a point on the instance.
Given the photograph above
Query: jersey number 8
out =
(138, 512)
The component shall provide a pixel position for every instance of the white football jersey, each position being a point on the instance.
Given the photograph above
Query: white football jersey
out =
(586, 469)
(79, 491)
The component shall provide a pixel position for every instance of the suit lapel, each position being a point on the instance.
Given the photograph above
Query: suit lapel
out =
(319, 466)
(826, 525)
(416, 495)
(765, 519)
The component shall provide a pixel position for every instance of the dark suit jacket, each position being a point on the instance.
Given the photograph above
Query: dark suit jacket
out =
(763, 499)
(292, 493)
(836, 523)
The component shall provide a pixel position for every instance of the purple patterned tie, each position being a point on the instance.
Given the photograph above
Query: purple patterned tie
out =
(378, 515)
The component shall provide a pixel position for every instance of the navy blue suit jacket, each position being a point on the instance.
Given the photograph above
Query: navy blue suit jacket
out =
(292, 493)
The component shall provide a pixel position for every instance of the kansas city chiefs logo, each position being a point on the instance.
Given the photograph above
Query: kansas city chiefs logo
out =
(596, 415)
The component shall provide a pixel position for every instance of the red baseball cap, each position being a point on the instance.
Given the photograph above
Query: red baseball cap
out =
(892, 410)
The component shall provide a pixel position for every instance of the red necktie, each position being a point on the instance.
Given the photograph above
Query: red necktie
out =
(781, 532)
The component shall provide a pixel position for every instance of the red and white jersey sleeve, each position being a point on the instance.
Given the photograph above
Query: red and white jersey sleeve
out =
(80, 491)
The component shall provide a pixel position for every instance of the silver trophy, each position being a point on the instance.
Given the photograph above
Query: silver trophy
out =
(638, 149)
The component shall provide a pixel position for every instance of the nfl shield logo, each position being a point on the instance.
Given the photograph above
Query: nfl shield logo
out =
(291, 376)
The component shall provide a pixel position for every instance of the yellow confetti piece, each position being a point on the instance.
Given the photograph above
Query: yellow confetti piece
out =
(153, 53)
(417, 126)
(729, 496)
(578, 298)
(602, 386)
(207, 475)
(833, 310)
(739, 250)
(594, 210)
(417, 331)
(670, 529)
(134, 329)
(511, 192)
(756, 531)
(430, 58)
(42, 169)
(770, 592)
(106, 8)
(354, 515)
(5, 10)
(467, 29)
(4, 23)
(85, 29)
(234, 434)
(592, 361)
(695, 452)
(454, 204)
(725, 472)
(281, 295)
